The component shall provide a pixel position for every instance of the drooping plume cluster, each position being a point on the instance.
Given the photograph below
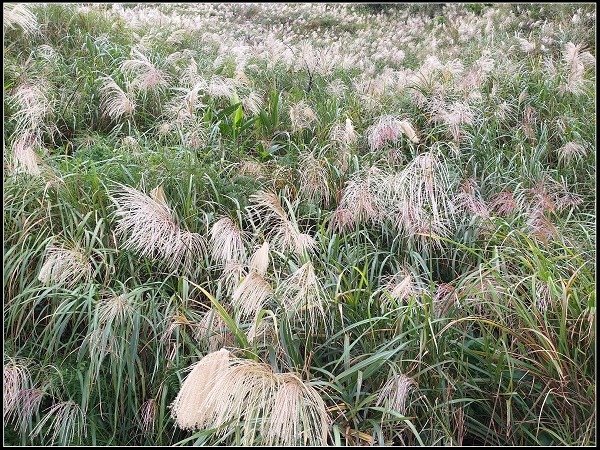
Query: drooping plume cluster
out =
(148, 226)
(278, 408)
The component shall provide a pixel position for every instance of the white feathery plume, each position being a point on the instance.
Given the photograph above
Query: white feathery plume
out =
(47, 53)
(15, 378)
(25, 159)
(259, 262)
(189, 409)
(304, 243)
(526, 46)
(184, 105)
(65, 265)
(149, 227)
(336, 88)
(445, 296)
(543, 296)
(243, 394)
(148, 412)
(251, 168)
(395, 392)
(301, 116)
(19, 15)
(361, 200)
(504, 203)
(388, 129)
(226, 241)
(269, 408)
(344, 135)
(251, 294)
(115, 101)
(233, 272)
(540, 226)
(400, 286)
(570, 151)
(252, 103)
(454, 115)
(409, 131)
(314, 183)
(27, 406)
(302, 295)
(575, 60)
(112, 312)
(469, 200)
(219, 87)
(146, 75)
(33, 104)
(284, 233)
(299, 415)
(264, 329)
(422, 197)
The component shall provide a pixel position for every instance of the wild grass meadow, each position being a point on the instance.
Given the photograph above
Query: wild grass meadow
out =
(299, 224)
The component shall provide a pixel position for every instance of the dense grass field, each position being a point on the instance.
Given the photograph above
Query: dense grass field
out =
(304, 224)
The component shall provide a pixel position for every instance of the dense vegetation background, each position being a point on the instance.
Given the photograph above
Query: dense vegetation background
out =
(423, 176)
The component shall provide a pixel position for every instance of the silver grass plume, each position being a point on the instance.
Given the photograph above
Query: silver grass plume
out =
(115, 101)
(27, 406)
(504, 203)
(395, 392)
(251, 294)
(284, 233)
(189, 408)
(344, 135)
(252, 103)
(575, 60)
(302, 116)
(112, 313)
(226, 241)
(469, 200)
(303, 296)
(146, 75)
(360, 200)
(279, 408)
(264, 329)
(445, 297)
(33, 104)
(148, 226)
(314, 182)
(259, 262)
(233, 272)
(19, 16)
(299, 415)
(570, 151)
(401, 286)
(148, 412)
(25, 159)
(66, 265)
(15, 378)
(389, 129)
(220, 87)
(421, 197)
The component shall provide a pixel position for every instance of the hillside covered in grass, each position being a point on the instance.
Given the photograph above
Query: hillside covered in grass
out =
(299, 224)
